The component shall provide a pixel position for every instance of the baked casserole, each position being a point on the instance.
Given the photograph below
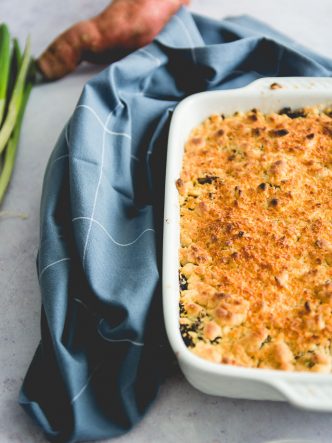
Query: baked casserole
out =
(256, 240)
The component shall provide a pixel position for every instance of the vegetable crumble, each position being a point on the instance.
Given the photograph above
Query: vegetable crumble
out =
(256, 240)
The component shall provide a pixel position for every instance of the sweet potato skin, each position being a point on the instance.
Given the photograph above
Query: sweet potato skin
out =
(123, 26)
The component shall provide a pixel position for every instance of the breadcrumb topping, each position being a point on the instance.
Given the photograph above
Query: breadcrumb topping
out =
(256, 240)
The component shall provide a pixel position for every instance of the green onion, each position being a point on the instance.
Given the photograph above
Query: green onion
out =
(16, 58)
(10, 153)
(16, 81)
(17, 52)
(16, 99)
(4, 67)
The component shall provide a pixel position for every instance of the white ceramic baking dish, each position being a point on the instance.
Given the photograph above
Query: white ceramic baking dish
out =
(305, 390)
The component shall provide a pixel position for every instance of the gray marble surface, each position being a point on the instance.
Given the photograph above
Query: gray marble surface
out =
(180, 413)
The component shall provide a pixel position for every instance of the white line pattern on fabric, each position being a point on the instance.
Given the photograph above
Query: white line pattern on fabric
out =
(80, 392)
(67, 155)
(92, 220)
(52, 264)
(153, 57)
(66, 135)
(123, 134)
(107, 338)
(119, 340)
(81, 303)
(191, 43)
(134, 157)
(99, 182)
(59, 158)
(104, 126)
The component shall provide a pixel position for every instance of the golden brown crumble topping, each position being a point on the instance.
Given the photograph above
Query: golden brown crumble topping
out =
(256, 240)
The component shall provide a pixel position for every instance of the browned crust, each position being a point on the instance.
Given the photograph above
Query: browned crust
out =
(256, 240)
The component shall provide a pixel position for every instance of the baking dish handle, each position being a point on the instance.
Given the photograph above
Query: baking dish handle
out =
(306, 395)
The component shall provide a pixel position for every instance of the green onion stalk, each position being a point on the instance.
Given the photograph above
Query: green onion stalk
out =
(16, 72)
(4, 67)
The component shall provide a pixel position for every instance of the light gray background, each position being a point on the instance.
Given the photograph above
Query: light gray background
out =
(180, 414)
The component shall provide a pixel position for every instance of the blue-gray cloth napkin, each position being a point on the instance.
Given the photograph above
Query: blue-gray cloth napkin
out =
(103, 350)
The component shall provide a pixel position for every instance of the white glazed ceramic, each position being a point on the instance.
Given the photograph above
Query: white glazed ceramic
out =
(305, 390)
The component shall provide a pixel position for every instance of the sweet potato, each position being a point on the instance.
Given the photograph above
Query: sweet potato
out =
(124, 25)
